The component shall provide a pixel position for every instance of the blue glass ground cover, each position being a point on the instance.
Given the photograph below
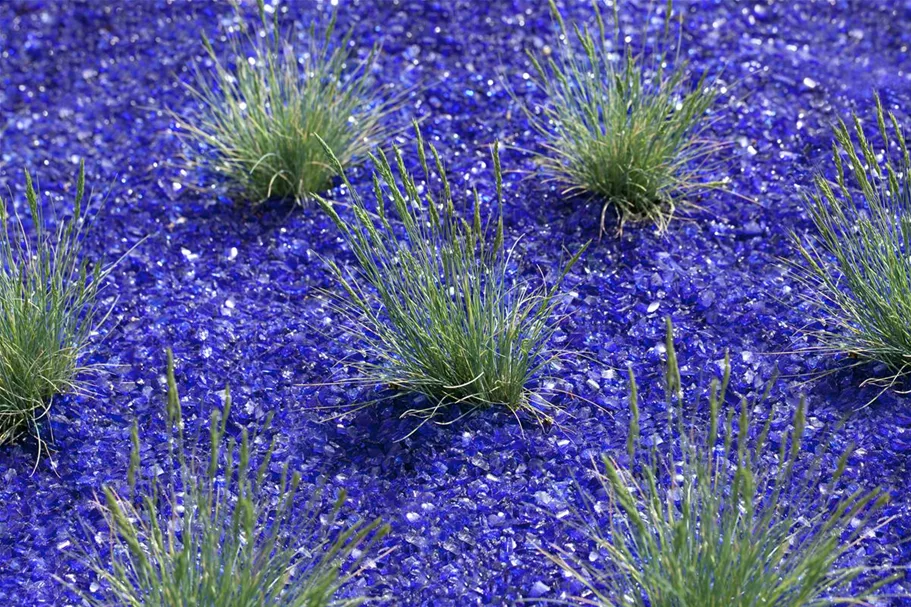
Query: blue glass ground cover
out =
(235, 291)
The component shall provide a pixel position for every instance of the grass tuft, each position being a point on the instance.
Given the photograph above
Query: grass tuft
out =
(431, 301)
(621, 127)
(857, 268)
(731, 515)
(48, 309)
(212, 530)
(264, 107)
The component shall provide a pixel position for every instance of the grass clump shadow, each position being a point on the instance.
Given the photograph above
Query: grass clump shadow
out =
(48, 310)
(265, 106)
(621, 128)
(857, 267)
(722, 517)
(431, 301)
(212, 530)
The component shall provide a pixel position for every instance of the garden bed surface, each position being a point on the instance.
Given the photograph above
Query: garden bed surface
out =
(235, 291)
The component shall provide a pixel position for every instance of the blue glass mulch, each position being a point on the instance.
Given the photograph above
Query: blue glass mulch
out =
(235, 291)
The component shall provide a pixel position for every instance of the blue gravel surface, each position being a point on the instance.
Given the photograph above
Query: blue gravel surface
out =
(234, 291)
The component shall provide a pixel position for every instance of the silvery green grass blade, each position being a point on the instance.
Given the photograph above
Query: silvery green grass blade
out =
(263, 107)
(856, 268)
(48, 309)
(624, 127)
(216, 530)
(430, 300)
(717, 515)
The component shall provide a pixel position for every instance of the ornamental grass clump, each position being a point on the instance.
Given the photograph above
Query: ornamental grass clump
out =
(48, 309)
(431, 301)
(722, 513)
(264, 106)
(623, 127)
(216, 531)
(857, 268)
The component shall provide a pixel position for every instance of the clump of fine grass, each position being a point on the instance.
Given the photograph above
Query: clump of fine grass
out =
(431, 301)
(48, 309)
(623, 127)
(722, 517)
(214, 531)
(265, 105)
(857, 268)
